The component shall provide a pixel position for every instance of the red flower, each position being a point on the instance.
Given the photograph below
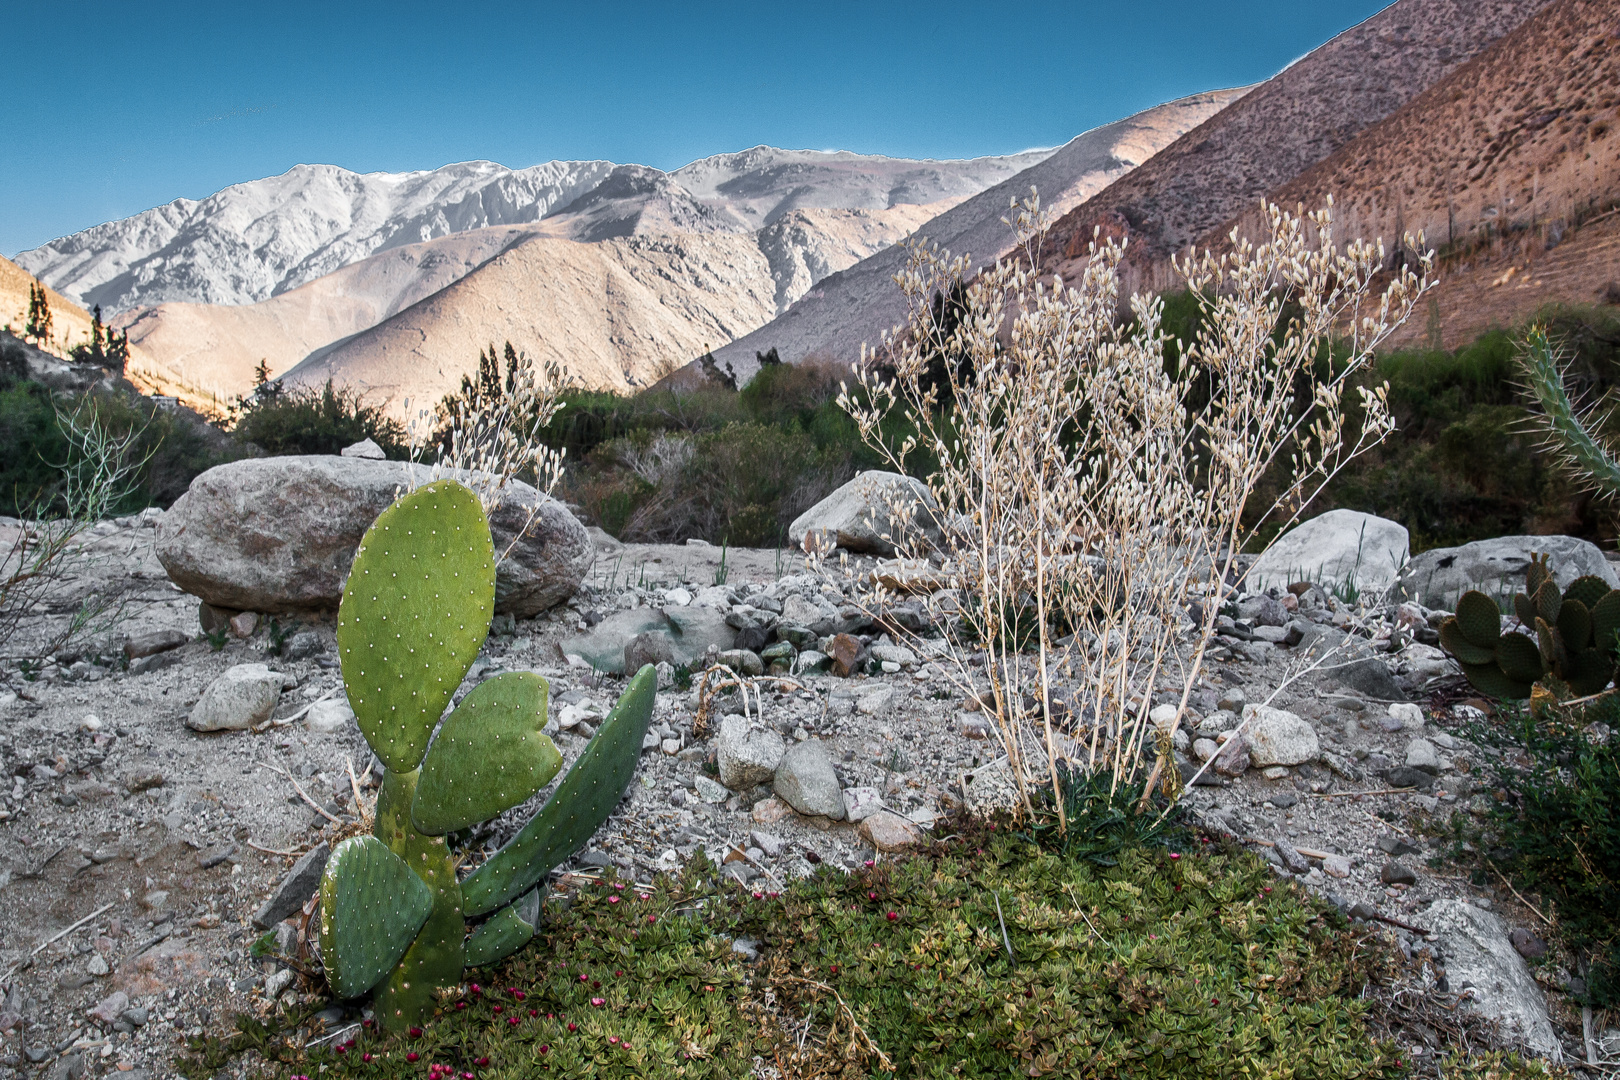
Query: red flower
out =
(613, 1040)
(545, 1048)
(520, 995)
(893, 916)
(413, 1056)
(482, 1062)
(572, 1026)
(413, 1032)
(514, 1020)
(365, 1057)
(534, 1012)
(498, 1008)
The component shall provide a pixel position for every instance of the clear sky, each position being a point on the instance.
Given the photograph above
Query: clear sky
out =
(114, 107)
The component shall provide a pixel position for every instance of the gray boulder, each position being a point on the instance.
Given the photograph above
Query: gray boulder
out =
(295, 889)
(279, 534)
(857, 516)
(748, 753)
(805, 780)
(688, 632)
(242, 698)
(1480, 959)
(1334, 549)
(1368, 675)
(1278, 737)
(1437, 577)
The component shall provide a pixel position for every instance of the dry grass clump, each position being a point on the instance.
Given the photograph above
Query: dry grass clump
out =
(1093, 496)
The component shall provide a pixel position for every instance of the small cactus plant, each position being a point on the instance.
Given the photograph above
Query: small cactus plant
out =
(415, 611)
(1574, 648)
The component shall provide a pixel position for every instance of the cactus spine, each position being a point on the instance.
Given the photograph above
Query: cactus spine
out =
(415, 611)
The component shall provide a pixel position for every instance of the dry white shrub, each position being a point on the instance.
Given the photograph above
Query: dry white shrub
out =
(1090, 492)
(493, 438)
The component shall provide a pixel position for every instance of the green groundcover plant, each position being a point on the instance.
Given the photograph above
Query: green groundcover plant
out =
(1164, 964)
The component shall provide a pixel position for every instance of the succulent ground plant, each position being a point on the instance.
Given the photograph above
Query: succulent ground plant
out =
(1575, 645)
(415, 611)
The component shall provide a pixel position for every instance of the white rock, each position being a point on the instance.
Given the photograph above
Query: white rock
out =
(365, 448)
(857, 516)
(670, 746)
(242, 698)
(1410, 715)
(91, 722)
(1482, 963)
(748, 752)
(1421, 754)
(1162, 716)
(1336, 866)
(894, 654)
(333, 714)
(861, 803)
(1333, 549)
(1278, 737)
(1437, 577)
(708, 790)
(678, 597)
(874, 702)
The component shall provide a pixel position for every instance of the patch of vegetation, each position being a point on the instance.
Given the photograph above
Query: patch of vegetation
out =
(1164, 964)
(1556, 826)
(312, 421)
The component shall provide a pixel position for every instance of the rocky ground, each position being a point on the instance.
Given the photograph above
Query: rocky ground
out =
(137, 851)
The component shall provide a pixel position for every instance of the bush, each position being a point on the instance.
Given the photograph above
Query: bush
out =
(1557, 825)
(311, 421)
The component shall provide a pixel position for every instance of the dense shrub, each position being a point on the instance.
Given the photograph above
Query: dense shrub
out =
(1557, 827)
(314, 421)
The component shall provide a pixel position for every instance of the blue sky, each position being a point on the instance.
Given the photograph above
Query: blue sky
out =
(116, 107)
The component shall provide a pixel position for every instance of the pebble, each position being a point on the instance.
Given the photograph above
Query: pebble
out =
(1395, 873)
(709, 790)
(887, 831)
(770, 811)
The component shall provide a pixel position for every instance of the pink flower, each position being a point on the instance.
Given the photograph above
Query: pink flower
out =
(893, 916)
(1175, 855)
(514, 1020)
(598, 1002)
(613, 1039)
(613, 899)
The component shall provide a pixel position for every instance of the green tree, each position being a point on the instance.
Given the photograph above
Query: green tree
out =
(38, 326)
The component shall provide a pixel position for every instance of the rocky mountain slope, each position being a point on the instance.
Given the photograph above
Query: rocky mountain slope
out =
(1290, 122)
(857, 305)
(258, 239)
(70, 322)
(1517, 182)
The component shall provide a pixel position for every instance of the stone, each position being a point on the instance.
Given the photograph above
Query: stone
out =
(1204, 749)
(1437, 577)
(1396, 873)
(1421, 754)
(1336, 866)
(1368, 675)
(1407, 715)
(296, 887)
(1232, 700)
(1404, 776)
(1482, 964)
(811, 661)
(748, 753)
(894, 654)
(690, 630)
(805, 780)
(243, 624)
(1291, 858)
(992, 786)
(243, 697)
(1263, 611)
(874, 701)
(815, 615)
(110, 1009)
(67, 1067)
(770, 812)
(743, 661)
(277, 534)
(887, 831)
(1527, 944)
(845, 652)
(303, 645)
(1278, 737)
(365, 448)
(158, 641)
(649, 647)
(328, 716)
(709, 790)
(861, 803)
(1336, 549)
(857, 517)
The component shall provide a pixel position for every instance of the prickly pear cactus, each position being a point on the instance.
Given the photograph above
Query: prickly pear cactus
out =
(415, 611)
(1574, 649)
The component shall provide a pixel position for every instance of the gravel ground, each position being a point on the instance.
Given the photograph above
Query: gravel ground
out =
(153, 845)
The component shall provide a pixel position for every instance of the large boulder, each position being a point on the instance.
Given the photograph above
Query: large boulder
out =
(1278, 737)
(805, 780)
(1480, 959)
(748, 753)
(279, 533)
(1439, 576)
(1335, 549)
(690, 632)
(869, 514)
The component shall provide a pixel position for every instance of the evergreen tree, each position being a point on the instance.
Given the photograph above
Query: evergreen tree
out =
(117, 351)
(38, 326)
(95, 352)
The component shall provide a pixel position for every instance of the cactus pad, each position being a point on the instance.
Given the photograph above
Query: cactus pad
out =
(1538, 572)
(1548, 602)
(371, 908)
(1489, 680)
(489, 756)
(1458, 644)
(1606, 621)
(1588, 671)
(1588, 590)
(1479, 620)
(505, 932)
(415, 610)
(1525, 609)
(1519, 658)
(1575, 625)
(434, 959)
(584, 799)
